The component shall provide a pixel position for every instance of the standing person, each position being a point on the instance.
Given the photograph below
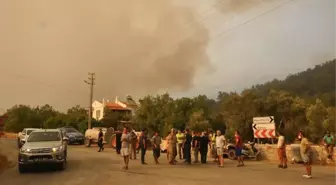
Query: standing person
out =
(329, 141)
(101, 140)
(134, 140)
(156, 141)
(220, 144)
(204, 144)
(187, 147)
(306, 154)
(125, 144)
(213, 151)
(171, 151)
(239, 147)
(118, 141)
(282, 150)
(195, 146)
(180, 139)
(143, 146)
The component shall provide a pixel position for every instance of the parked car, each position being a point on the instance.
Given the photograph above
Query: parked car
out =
(43, 147)
(22, 136)
(74, 135)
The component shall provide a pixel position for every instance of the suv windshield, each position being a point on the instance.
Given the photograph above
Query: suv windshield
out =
(29, 131)
(44, 136)
(70, 130)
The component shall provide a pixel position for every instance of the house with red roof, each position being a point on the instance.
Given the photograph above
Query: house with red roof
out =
(128, 106)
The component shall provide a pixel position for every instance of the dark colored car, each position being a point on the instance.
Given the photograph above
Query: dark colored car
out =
(74, 135)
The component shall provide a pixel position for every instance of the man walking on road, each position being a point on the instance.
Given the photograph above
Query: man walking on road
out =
(180, 139)
(125, 142)
(282, 150)
(187, 147)
(239, 147)
(156, 141)
(306, 154)
(220, 144)
(143, 146)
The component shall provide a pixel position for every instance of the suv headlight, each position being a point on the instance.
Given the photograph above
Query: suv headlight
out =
(25, 150)
(57, 149)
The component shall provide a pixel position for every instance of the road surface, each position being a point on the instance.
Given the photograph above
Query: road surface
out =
(88, 167)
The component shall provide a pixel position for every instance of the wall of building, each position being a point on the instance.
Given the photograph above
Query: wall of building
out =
(97, 110)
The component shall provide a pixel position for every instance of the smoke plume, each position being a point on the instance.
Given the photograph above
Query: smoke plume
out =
(134, 47)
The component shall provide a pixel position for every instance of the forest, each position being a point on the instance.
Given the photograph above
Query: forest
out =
(303, 101)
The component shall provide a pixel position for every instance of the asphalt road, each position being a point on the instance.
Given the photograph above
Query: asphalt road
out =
(88, 167)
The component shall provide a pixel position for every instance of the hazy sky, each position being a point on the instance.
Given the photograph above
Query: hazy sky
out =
(136, 47)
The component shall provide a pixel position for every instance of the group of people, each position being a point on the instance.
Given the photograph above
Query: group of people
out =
(181, 144)
(306, 151)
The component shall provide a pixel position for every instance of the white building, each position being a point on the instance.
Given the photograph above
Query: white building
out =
(98, 107)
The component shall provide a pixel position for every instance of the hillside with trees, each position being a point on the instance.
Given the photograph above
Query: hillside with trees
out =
(304, 101)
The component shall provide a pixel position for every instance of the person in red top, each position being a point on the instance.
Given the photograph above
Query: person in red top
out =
(239, 146)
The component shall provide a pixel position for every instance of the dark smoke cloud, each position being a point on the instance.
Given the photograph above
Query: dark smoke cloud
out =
(134, 47)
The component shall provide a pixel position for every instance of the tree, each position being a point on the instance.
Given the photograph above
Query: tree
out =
(316, 115)
(20, 117)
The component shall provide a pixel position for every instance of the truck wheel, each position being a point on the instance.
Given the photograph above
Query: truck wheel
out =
(87, 142)
(81, 142)
(62, 166)
(232, 154)
(22, 168)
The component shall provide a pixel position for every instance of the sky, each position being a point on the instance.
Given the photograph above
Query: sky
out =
(141, 47)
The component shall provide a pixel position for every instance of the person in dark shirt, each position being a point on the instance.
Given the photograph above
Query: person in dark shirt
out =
(143, 146)
(118, 141)
(101, 140)
(196, 145)
(204, 142)
(187, 147)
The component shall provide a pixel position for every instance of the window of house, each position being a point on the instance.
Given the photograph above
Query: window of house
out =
(98, 114)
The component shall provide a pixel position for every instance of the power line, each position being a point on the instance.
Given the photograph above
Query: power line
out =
(91, 82)
(254, 18)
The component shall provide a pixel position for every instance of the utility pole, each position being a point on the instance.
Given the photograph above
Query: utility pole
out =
(91, 82)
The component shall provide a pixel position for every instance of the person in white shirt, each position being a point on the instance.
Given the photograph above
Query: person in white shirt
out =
(282, 150)
(220, 144)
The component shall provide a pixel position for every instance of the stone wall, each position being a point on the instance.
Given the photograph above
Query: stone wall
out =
(269, 152)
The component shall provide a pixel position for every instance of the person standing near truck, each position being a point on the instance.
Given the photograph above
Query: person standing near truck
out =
(196, 146)
(101, 140)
